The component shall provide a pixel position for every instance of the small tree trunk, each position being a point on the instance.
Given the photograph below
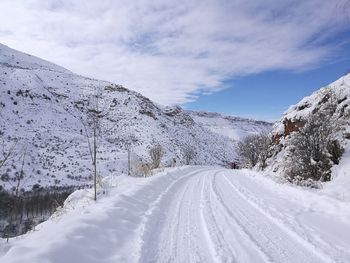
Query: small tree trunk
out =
(129, 163)
(95, 168)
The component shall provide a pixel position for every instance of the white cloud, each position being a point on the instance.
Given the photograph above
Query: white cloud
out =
(172, 50)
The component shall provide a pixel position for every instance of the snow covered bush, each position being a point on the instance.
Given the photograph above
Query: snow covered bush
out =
(311, 152)
(254, 150)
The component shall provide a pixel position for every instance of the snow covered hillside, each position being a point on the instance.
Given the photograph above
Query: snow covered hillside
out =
(41, 107)
(235, 128)
(298, 113)
(335, 95)
(191, 214)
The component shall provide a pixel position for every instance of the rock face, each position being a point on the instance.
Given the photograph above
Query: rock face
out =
(289, 127)
(296, 116)
(43, 114)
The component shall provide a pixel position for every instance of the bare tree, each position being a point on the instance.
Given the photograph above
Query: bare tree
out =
(130, 139)
(6, 152)
(188, 154)
(92, 127)
(264, 144)
(20, 175)
(344, 6)
(156, 154)
(16, 207)
(254, 149)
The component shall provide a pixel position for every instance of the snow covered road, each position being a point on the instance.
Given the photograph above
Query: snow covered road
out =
(196, 214)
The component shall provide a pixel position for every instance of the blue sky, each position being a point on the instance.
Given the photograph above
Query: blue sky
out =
(266, 96)
(254, 58)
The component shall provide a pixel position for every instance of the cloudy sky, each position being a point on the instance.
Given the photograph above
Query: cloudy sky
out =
(194, 53)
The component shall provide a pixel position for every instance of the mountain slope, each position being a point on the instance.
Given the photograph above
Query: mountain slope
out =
(42, 107)
(14, 59)
(235, 128)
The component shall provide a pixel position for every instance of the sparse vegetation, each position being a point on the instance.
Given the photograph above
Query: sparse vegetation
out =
(21, 211)
(313, 150)
(7, 150)
(254, 150)
(146, 169)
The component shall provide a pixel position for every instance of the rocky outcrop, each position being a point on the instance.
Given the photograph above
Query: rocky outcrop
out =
(289, 127)
(331, 101)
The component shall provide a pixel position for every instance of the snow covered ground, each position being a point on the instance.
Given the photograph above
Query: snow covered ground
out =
(192, 214)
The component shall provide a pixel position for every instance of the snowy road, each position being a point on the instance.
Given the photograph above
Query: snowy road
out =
(207, 218)
(197, 215)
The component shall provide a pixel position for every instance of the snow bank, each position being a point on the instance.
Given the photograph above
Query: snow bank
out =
(83, 222)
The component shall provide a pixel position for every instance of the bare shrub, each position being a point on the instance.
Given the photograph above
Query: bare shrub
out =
(156, 154)
(146, 169)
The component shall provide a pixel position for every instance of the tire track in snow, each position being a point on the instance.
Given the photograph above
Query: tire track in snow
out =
(273, 240)
(303, 230)
(286, 229)
(170, 226)
(223, 248)
(150, 253)
(204, 225)
(195, 233)
(242, 235)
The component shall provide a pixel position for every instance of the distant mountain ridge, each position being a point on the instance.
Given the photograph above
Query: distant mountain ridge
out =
(235, 128)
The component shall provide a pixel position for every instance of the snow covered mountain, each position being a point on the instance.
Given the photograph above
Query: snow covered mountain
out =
(235, 128)
(42, 107)
(297, 115)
